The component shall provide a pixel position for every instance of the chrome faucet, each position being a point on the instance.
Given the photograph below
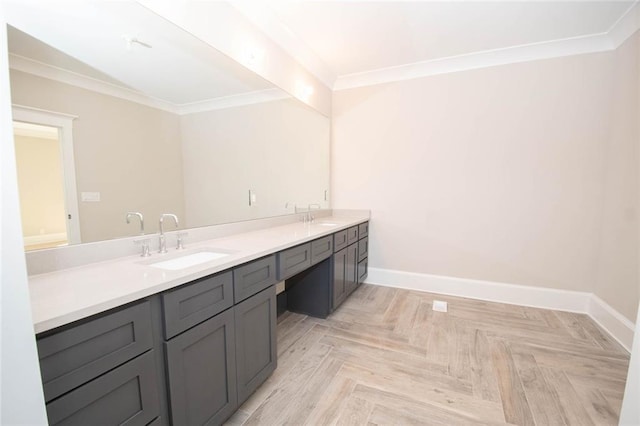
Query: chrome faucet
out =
(139, 216)
(309, 216)
(163, 241)
(144, 242)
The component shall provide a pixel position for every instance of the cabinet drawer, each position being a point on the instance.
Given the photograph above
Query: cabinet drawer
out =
(340, 240)
(293, 260)
(363, 269)
(363, 230)
(127, 395)
(253, 277)
(321, 249)
(196, 302)
(363, 248)
(76, 355)
(352, 235)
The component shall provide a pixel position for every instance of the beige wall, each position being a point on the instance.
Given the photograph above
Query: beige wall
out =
(40, 184)
(278, 149)
(128, 152)
(617, 272)
(497, 174)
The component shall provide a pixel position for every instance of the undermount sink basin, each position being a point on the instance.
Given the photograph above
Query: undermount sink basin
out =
(188, 260)
(326, 224)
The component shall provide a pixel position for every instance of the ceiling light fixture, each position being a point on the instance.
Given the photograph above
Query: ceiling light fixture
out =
(131, 40)
(304, 91)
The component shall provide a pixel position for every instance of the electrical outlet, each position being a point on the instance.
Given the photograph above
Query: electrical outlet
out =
(440, 306)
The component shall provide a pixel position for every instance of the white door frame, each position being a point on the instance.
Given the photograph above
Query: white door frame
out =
(64, 122)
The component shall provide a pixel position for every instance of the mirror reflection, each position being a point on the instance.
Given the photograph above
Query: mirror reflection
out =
(120, 111)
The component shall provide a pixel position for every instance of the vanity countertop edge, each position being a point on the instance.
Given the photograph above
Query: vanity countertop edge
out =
(61, 297)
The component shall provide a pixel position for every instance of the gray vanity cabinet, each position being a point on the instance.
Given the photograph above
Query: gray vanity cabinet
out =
(349, 263)
(102, 368)
(256, 357)
(201, 372)
(215, 365)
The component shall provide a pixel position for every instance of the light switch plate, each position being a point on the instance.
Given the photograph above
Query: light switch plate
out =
(90, 197)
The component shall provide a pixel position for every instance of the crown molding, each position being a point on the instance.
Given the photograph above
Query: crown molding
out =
(40, 69)
(476, 60)
(259, 96)
(624, 28)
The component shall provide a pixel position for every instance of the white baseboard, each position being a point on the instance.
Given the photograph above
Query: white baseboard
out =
(620, 328)
(616, 324)
(44, 238)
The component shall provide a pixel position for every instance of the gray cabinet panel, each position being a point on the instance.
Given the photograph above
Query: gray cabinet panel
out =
(363, 248)
(253, 277)
(351, 278)
(321, 249)
(201, 370)
(363, 270)
(76, 355)
(293, 260)
(363, 230)
(196, 302)
(340, 240)
(339, 278)
(352, 235)
(124, 396)
(256, 356)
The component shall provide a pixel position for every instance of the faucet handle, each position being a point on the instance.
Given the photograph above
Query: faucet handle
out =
(180, 242)
(144, 242)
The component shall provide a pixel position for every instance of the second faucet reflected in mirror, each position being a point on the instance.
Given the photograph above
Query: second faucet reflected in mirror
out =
(163, 241)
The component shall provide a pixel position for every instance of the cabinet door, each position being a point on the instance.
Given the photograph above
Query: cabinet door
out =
(255, 341)
(201, 369)
(339, 277)
(363, 269)
(351, 278)
(127, 395)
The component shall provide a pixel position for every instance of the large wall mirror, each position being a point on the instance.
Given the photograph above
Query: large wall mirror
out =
(118, 110)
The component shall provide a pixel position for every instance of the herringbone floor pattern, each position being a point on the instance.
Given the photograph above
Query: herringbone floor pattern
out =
(385, 357)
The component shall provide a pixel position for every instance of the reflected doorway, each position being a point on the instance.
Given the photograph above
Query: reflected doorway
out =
(40, 185)
(46, 179)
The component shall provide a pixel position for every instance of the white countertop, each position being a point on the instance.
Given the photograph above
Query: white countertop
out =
(61, 297)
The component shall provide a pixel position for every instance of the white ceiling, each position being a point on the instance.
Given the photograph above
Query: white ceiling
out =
(87, 38)
(345, 43)
(360, 36)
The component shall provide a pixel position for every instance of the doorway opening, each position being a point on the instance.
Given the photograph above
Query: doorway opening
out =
(46, 179)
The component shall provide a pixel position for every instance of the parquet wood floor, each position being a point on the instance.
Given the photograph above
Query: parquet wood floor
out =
(385, 357)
